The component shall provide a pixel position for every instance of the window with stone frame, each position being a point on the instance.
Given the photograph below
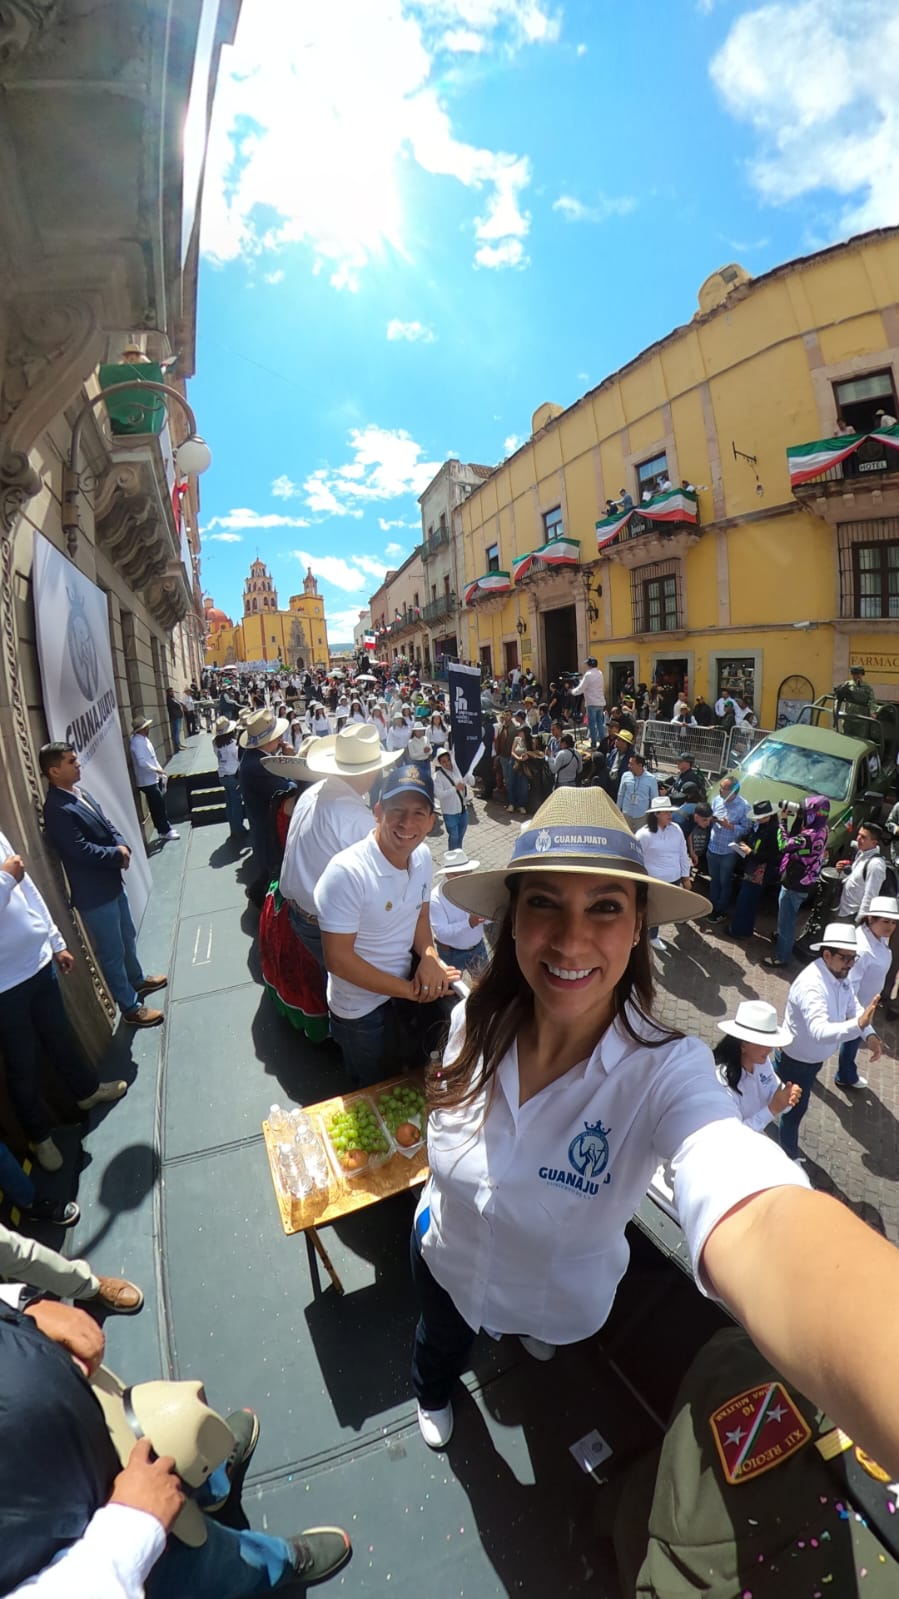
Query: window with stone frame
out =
(869, 569)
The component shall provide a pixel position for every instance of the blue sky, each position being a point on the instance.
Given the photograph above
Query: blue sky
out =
(422, 218)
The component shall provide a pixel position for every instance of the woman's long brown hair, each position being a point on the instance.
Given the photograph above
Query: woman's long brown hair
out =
(502, 1003)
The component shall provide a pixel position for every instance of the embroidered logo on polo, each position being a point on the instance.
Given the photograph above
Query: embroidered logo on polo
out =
(588, 1157)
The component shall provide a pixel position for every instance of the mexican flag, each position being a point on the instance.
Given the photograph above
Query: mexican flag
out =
(368, 641)
(807, 461)
(560, 552)
(608, 529)
(675, 505)
(522, 565)
(490, 583)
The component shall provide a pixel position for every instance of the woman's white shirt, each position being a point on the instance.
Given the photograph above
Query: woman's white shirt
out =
(664, 852)
(445, 791)
(226, 758)
(867, 975)
(753, 1095)
(523, 1218)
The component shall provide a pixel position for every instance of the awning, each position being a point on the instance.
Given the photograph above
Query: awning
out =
(807, 461)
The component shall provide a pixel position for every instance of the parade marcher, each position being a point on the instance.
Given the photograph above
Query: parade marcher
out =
(868, 976)
(730, 823)
(32, 954)
(761, 852)
(458, 935)
(866, 875)
(227, 760)
(822, 1013)
(743, 1059)
(327, 818)
(804, 853)
(858, 696)
(557, 1096)
(149, 777)
(636, 791)
(399, 733)
(95, 855)
(450, 793)
(369, 940)
(592, 687)
(264, 734)
(664, 852)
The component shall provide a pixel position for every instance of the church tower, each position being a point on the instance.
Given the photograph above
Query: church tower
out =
(258, 593)
(310, 586)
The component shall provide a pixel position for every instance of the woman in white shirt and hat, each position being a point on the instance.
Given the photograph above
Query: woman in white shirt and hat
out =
(866, 977)
(664, 850)
(557, 1097)
(458, 934)
(743, 1059)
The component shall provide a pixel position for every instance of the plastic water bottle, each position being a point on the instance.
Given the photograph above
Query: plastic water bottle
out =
(278, 1122)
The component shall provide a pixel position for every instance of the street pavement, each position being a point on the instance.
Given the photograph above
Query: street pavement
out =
(851, 1140)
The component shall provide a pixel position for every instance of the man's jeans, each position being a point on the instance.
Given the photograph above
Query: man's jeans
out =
(155, 799)
(233, 804)
(114, 937)
(176, 723)
(721, 873)
(847, 1067)
(517, 786)
(30, 1011)
(788, 903)
(505, 762)
(596, 721)
(228, 1565)
(801, 1072)
(456, 827)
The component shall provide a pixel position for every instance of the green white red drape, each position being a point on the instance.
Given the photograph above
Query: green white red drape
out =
(490, 583)
(674, 505)
(807, 461)
(558, 552)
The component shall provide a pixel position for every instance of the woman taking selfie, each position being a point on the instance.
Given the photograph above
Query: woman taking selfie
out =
(557, 1098)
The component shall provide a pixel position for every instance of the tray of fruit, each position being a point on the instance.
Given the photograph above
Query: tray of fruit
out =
(357, 1139)
(402, 1110)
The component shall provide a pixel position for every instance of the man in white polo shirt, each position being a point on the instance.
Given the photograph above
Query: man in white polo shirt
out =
(373, 907)
(329, 817)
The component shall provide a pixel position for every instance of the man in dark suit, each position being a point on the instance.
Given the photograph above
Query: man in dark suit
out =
(95, 855)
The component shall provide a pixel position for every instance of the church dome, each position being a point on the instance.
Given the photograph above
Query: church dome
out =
(216, 619)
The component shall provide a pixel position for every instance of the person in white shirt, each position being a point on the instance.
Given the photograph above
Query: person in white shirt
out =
(437, 733)
(373, 907)
(458, 934)
(664, 851)
(379, 720)
(32, 954)
(317, 721)
(866, 874)
(743, 1059)
(592, 686)
(450, 795)
(868, 976)
(326, 819)
(557, 1097)
(822, 1013)
(150, 777)
(398, 733)
(227, 760)
(564, 762)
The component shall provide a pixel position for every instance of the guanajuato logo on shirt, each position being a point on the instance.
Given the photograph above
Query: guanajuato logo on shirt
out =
(588, 1157)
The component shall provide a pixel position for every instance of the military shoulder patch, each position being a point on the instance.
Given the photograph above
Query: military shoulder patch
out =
(756, 1431)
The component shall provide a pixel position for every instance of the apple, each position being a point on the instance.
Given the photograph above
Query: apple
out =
(354, 1159)
(407, 1134)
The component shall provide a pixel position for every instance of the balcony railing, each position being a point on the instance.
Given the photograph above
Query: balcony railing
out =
(850, 459)
(434, 543)
(674, 511)
(436, 610)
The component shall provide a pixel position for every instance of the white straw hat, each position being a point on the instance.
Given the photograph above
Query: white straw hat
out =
(355, 750)
(756, 1023)
(576, 830)
(884, 905)
(456, 860)
(293, 767)
(263, 728)
(838, 935)
(661, 803)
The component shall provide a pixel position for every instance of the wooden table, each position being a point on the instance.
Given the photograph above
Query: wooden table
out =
(343, 1194)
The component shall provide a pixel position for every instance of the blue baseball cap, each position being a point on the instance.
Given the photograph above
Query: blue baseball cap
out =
(406, 780)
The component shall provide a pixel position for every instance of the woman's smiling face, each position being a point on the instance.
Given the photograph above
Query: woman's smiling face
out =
(574, 933)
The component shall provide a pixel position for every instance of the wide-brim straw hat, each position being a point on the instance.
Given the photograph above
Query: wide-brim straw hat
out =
(178, 1422)
(838, 935)
(353, 751)
(139, 723)
(756, 1023)
(576, 830)
(262, 728)
(294, 767)
(224, 725)
(884, 905)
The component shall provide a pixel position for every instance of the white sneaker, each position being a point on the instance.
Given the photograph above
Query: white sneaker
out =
(509, 809)
(536, 1348)
(166, 838)
(860, 1082)
(436, 1426)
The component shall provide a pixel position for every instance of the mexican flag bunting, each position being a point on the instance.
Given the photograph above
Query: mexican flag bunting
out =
(560, 552)
(608, 529)
(675, 505)
(522, 565)
(808, 461)
(490, 583)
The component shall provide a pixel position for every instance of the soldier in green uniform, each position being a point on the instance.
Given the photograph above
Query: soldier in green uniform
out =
(855, 692)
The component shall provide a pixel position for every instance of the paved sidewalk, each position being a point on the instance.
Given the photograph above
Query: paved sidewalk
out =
(851, 1140)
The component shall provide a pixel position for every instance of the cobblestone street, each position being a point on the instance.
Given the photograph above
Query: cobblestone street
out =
(851, 1140)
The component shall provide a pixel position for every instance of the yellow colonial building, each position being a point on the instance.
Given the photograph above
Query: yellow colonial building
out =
(264, 633)
(660, 524)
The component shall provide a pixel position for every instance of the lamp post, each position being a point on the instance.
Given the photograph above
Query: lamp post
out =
(192, 456)
(591, 594)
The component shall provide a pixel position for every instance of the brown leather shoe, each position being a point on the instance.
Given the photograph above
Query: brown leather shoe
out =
(118, 1295)
(143, 1017)
(150, 985)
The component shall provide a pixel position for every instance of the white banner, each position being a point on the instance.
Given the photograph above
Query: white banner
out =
(80, 700)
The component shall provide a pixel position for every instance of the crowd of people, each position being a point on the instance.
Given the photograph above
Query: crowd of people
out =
(554, 1089)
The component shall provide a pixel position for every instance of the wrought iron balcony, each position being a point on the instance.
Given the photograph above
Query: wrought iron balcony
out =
(434, 543)
(436, 610)
(666, 525)
(846, 464)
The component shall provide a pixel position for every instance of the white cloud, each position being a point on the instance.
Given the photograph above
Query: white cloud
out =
(385, 466)
(351, 576)
(385, 524)
(243, 517)
(222, 538)
(394, 552)
(508, 254)
(361, 83)
(274, 277)
(818, 80)
(511, 444)
(283, 488)
(413, 332)
(581, 50)
(604, 207)
(341, 624)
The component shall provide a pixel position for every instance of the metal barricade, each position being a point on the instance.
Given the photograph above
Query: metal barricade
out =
(662, 742)
(742, 740)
